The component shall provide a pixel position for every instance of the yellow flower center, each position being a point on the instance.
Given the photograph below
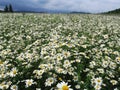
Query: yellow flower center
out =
(65, 87)
(99, 81)
(51, 80)
(29, 82)
(14, 87)
(97, 87)
(1, 62)
(14, 72)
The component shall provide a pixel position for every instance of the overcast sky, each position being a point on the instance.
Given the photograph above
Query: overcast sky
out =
(93, 6)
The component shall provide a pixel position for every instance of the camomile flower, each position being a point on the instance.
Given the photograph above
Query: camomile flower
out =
(77, 86)
(50, 81)
(29, 82)
(63, 86)
(118, 60)
(39, 72)
(105, 36)
(98, 81)
(59, 57)
(3, 86)
(14, 72)
(59, 70)
(14, 87)
(112, 65)
(114, 82)
(66, 54)
(67, 63)
(105, 64)
(97, 87)
(100, 70)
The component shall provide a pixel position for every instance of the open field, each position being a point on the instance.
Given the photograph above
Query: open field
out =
(59, 52)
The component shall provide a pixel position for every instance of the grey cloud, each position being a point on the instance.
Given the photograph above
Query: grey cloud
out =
(83, 5)
(65, 5)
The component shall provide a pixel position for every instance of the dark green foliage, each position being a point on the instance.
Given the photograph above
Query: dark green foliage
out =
(6, 8)
(10, 8)
(116, 11)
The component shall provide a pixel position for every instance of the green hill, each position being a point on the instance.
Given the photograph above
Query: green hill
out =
(1, 10)
(116, 11)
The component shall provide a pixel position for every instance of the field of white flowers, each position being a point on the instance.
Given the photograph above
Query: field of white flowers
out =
(59, 52)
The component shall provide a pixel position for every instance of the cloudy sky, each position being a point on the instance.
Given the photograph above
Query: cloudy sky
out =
(93, 6)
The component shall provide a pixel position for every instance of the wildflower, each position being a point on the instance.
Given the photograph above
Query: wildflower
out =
(66, 54)
(75, 78)
(97, 87)
(105, 64)
(112, 65)
(43, 51)
(39, 72)
(63, 86)
(59, 70)
(114, 82)
(14, 87)
(14, 72)
(77, 86)
(67, 64)
(92, 64)
(100, 70)
(59, 57)
(98, 81)
(2, 75)
(3, 86)
(118, 60)
(49, 81)
(105, 36)
(29, 82)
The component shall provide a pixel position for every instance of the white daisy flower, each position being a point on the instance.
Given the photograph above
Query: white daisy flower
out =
(97, 87)
(63, 86)
(66, 54)
(114, 82)
(14, 87)
(67, 63)
(49, 81)
(98, 81)
(77, 86)
(14, 72)
(4, 87)
(118, 60)
(29, 82)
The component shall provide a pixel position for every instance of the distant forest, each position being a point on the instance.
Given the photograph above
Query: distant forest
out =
(116, 11)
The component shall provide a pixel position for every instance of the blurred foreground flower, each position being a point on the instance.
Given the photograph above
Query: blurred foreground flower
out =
(63, 86)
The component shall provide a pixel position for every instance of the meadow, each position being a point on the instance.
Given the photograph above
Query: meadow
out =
(59, 52)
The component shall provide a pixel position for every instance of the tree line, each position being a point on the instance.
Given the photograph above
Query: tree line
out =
(8, 8)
